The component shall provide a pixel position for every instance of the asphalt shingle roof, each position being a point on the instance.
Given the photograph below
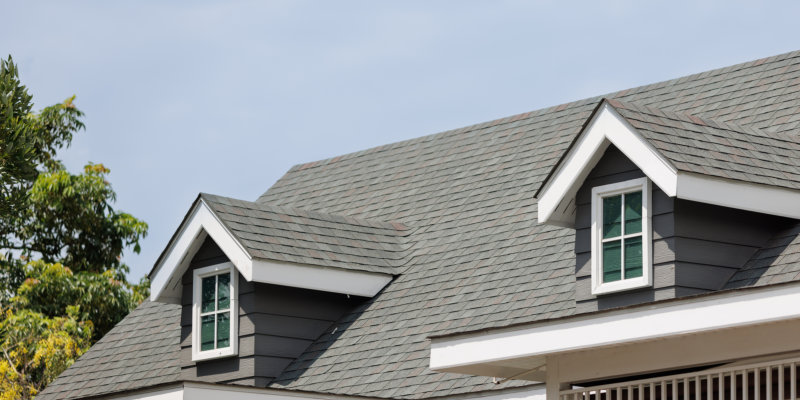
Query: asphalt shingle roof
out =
(141, 350)
(477, 258)
(314, 238)
(721, 149)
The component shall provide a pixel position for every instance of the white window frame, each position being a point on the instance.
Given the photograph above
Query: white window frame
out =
(199, 274)
(613, 189)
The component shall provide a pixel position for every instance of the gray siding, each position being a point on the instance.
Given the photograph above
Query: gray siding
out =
(696, 247)
(276, 324)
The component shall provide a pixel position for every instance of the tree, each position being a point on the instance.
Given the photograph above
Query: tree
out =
(36, 349)
(62, 280)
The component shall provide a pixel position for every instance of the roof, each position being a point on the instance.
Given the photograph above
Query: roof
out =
(720, 149)
(140, 351)
(477, 258)
(314, 238)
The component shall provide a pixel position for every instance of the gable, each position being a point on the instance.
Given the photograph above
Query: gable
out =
(284, 248)
(657, 143)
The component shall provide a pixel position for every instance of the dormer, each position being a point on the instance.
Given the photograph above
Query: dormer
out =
(258, 284)
(666, 204)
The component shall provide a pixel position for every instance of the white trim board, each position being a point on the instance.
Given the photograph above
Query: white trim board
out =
(556, 202)
(658, 321)
(201, 222)
(606, 127)
(203, 391)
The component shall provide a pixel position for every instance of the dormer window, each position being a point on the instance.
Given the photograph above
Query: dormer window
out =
(215, 312)
(621, 236)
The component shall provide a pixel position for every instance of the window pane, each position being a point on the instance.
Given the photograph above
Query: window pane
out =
(207, 332)
(611, 261)
(223, 291)
(208, 294)
(633, 257)
(612, 210)
(223, 330)
(633, 213)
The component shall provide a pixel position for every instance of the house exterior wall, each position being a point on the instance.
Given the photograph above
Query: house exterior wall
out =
(276, 324)
(696, 247)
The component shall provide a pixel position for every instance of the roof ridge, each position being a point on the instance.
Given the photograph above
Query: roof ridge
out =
(545, 110)
(302, 212)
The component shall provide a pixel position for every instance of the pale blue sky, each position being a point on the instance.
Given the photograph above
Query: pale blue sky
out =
(224, 97)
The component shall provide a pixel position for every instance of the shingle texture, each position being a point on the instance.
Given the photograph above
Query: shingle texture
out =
(777, 262)
(315, 238)
(721, 149)
(477, 258)
(142, 350)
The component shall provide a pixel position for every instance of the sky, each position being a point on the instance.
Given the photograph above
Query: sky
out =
(224, 97)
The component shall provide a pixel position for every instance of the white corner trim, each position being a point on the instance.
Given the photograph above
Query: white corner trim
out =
(740, 195)
(358, 283)
(198, 275)
(605, 128)
(704, 314)
(598, 193)
(165, 282)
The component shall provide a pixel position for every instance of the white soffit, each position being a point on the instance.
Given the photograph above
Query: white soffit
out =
(658, 321)
(201, 222)
(557, 199)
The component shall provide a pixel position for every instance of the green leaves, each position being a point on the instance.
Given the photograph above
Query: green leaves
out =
(52, 289)
(62, 281)
(35, 349)
(28, 143)
(72, 221)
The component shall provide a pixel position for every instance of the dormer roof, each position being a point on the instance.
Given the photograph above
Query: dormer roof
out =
(286, 246)
(687, 156)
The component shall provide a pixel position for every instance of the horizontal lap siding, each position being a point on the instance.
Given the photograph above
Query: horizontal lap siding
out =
(276, 324)
(696, 247)
(713, 242)
(614, 167)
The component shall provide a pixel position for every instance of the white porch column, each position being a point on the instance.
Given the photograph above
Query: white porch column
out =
(552, 382)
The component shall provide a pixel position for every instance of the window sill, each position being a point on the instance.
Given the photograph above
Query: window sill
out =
(620, 286)
(213, 354)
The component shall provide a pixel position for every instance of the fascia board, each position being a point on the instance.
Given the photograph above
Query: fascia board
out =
(336, 280)
(607, 127)
(740, 195)
(201, 222)
(726, 310)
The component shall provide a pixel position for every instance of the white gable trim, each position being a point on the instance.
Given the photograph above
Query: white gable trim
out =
(658, 321)
(556, 204)
(557, 199)
(165, 283)
(201, 221)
